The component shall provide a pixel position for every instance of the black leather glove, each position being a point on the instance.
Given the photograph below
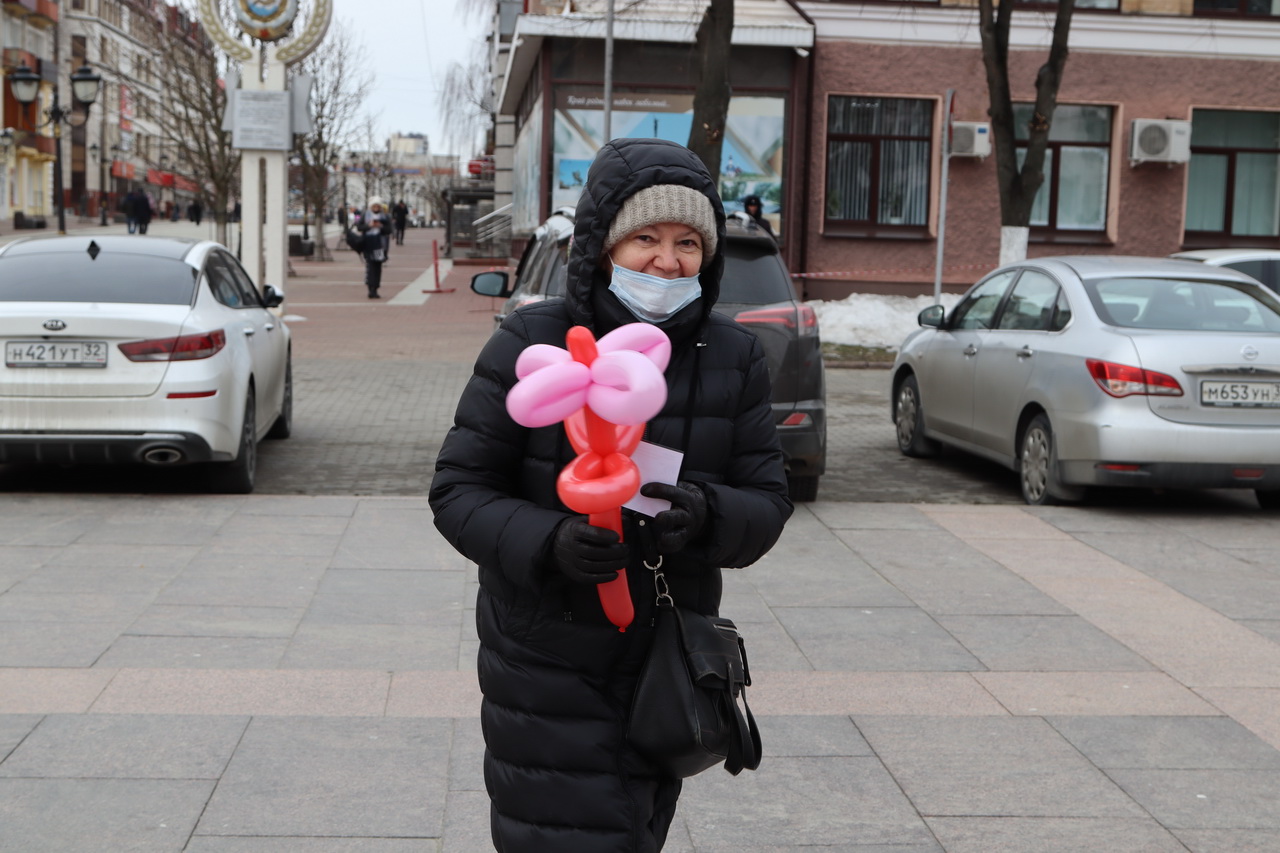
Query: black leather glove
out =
(586, 553)
(677, 526)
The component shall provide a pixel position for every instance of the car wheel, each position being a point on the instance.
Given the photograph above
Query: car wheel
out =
(236, 477)
(1268, 500)
(802, 489)
(910, 421)
(1038, 467)
(283, 427)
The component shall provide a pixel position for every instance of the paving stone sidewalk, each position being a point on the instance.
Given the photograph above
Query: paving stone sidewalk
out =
(295, 672)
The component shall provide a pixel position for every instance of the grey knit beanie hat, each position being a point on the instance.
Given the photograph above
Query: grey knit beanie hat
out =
(666, 203)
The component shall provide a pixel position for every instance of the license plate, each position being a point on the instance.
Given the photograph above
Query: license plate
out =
(55, 354)
(1240, 394)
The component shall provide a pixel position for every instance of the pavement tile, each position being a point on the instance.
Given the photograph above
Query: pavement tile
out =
(868, 639)
(286, 507)
(354, 778)
(817, 573)
(1107, 693)
(13, 728)
(941, 574)
(97, 580)
(1040, 644)
(837, 802)
(977, 522)
(466, 760)
(466, 822)
(54, 644)
(194, 652)
(404, 609)
(1206, 799)
(1254, 709)
(104, 746)
(1168, 743)
(268, 585)
(410, 646)
(298, 844)
(811, 737)
(1052, 835)
(434, 694)
(245, 691)
(992, 767)
(769, 646)
(845, 515)
(194, 620)
(152, 531)
(80, 607)
(1229, 840)
(894, 693)
(137, 815)
(155, 557)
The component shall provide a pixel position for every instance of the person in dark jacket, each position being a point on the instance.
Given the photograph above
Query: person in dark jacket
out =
(755, 209)
(557, 677)
(400, 218)
(373, 248)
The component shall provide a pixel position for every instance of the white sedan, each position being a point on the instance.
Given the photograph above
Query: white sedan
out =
(1102, 371)
(129, 349)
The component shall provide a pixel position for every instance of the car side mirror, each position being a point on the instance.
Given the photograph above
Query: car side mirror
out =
(932, 316)
(271, 297)
(491, 284)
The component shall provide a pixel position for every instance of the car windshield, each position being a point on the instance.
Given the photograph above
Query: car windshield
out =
(112, 277)
(753, 276)
(1184, 305)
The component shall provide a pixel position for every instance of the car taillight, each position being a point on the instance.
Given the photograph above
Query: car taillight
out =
(1122, 380)
(182, 348)
(799, 317)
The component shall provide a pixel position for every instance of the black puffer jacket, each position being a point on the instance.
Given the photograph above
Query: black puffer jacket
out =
(556, 676)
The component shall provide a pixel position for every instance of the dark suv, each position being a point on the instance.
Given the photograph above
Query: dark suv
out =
(756, 291)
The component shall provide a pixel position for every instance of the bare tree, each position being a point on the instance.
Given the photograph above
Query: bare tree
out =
(190, 113)
(340, 87)
(1018, 187)
(465, 98)
(711, 97)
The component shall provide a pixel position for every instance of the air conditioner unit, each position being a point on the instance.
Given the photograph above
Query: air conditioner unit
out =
(1161, 140)
(970, 139)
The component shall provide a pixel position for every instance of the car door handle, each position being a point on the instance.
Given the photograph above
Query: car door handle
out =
(970, 350)
(269, 326)
(1026, 352)
(249, 330)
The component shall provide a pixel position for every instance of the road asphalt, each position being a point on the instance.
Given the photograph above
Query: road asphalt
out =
(294, 670)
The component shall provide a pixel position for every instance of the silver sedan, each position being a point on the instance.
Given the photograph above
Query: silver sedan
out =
(1101, 371)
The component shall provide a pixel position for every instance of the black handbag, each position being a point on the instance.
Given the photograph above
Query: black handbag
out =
(685, 715)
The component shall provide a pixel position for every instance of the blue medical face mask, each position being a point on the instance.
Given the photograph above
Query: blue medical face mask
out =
(650, 297)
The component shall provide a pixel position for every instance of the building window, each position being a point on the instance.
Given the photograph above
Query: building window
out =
(1072, 201)
(1237, 8)
(1233, 188)
(878, 165)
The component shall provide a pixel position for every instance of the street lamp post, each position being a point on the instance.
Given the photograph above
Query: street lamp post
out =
(25, 85)
(104, 195)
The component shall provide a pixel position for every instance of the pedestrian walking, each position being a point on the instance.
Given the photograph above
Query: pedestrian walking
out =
(195, 211)
(377, 211)
(130, 205)
(374, 250)
(400, 219)
(144, 210)
(556, 675)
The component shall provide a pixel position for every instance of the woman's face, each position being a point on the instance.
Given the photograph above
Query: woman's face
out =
(668, 250)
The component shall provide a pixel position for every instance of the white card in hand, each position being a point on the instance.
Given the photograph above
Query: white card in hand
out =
(657, 464)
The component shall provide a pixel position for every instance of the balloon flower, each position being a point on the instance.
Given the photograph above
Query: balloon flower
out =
(604, 391)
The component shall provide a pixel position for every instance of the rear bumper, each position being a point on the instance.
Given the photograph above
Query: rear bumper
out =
(1175, 475)
(804, 446)
(56, 448)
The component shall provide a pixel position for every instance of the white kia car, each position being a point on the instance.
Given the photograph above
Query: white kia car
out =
(130, 349)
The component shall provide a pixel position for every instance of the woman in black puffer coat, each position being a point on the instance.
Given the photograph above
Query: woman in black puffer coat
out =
(557, 677)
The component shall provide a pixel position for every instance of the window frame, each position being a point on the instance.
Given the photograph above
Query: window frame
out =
(870, 228)
(1051, 233)
(1241, 11)
(1201, 239)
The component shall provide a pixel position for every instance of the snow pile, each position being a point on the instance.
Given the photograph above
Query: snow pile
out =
(873, 320)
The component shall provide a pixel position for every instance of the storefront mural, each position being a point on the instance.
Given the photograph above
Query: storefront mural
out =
(751, 163)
